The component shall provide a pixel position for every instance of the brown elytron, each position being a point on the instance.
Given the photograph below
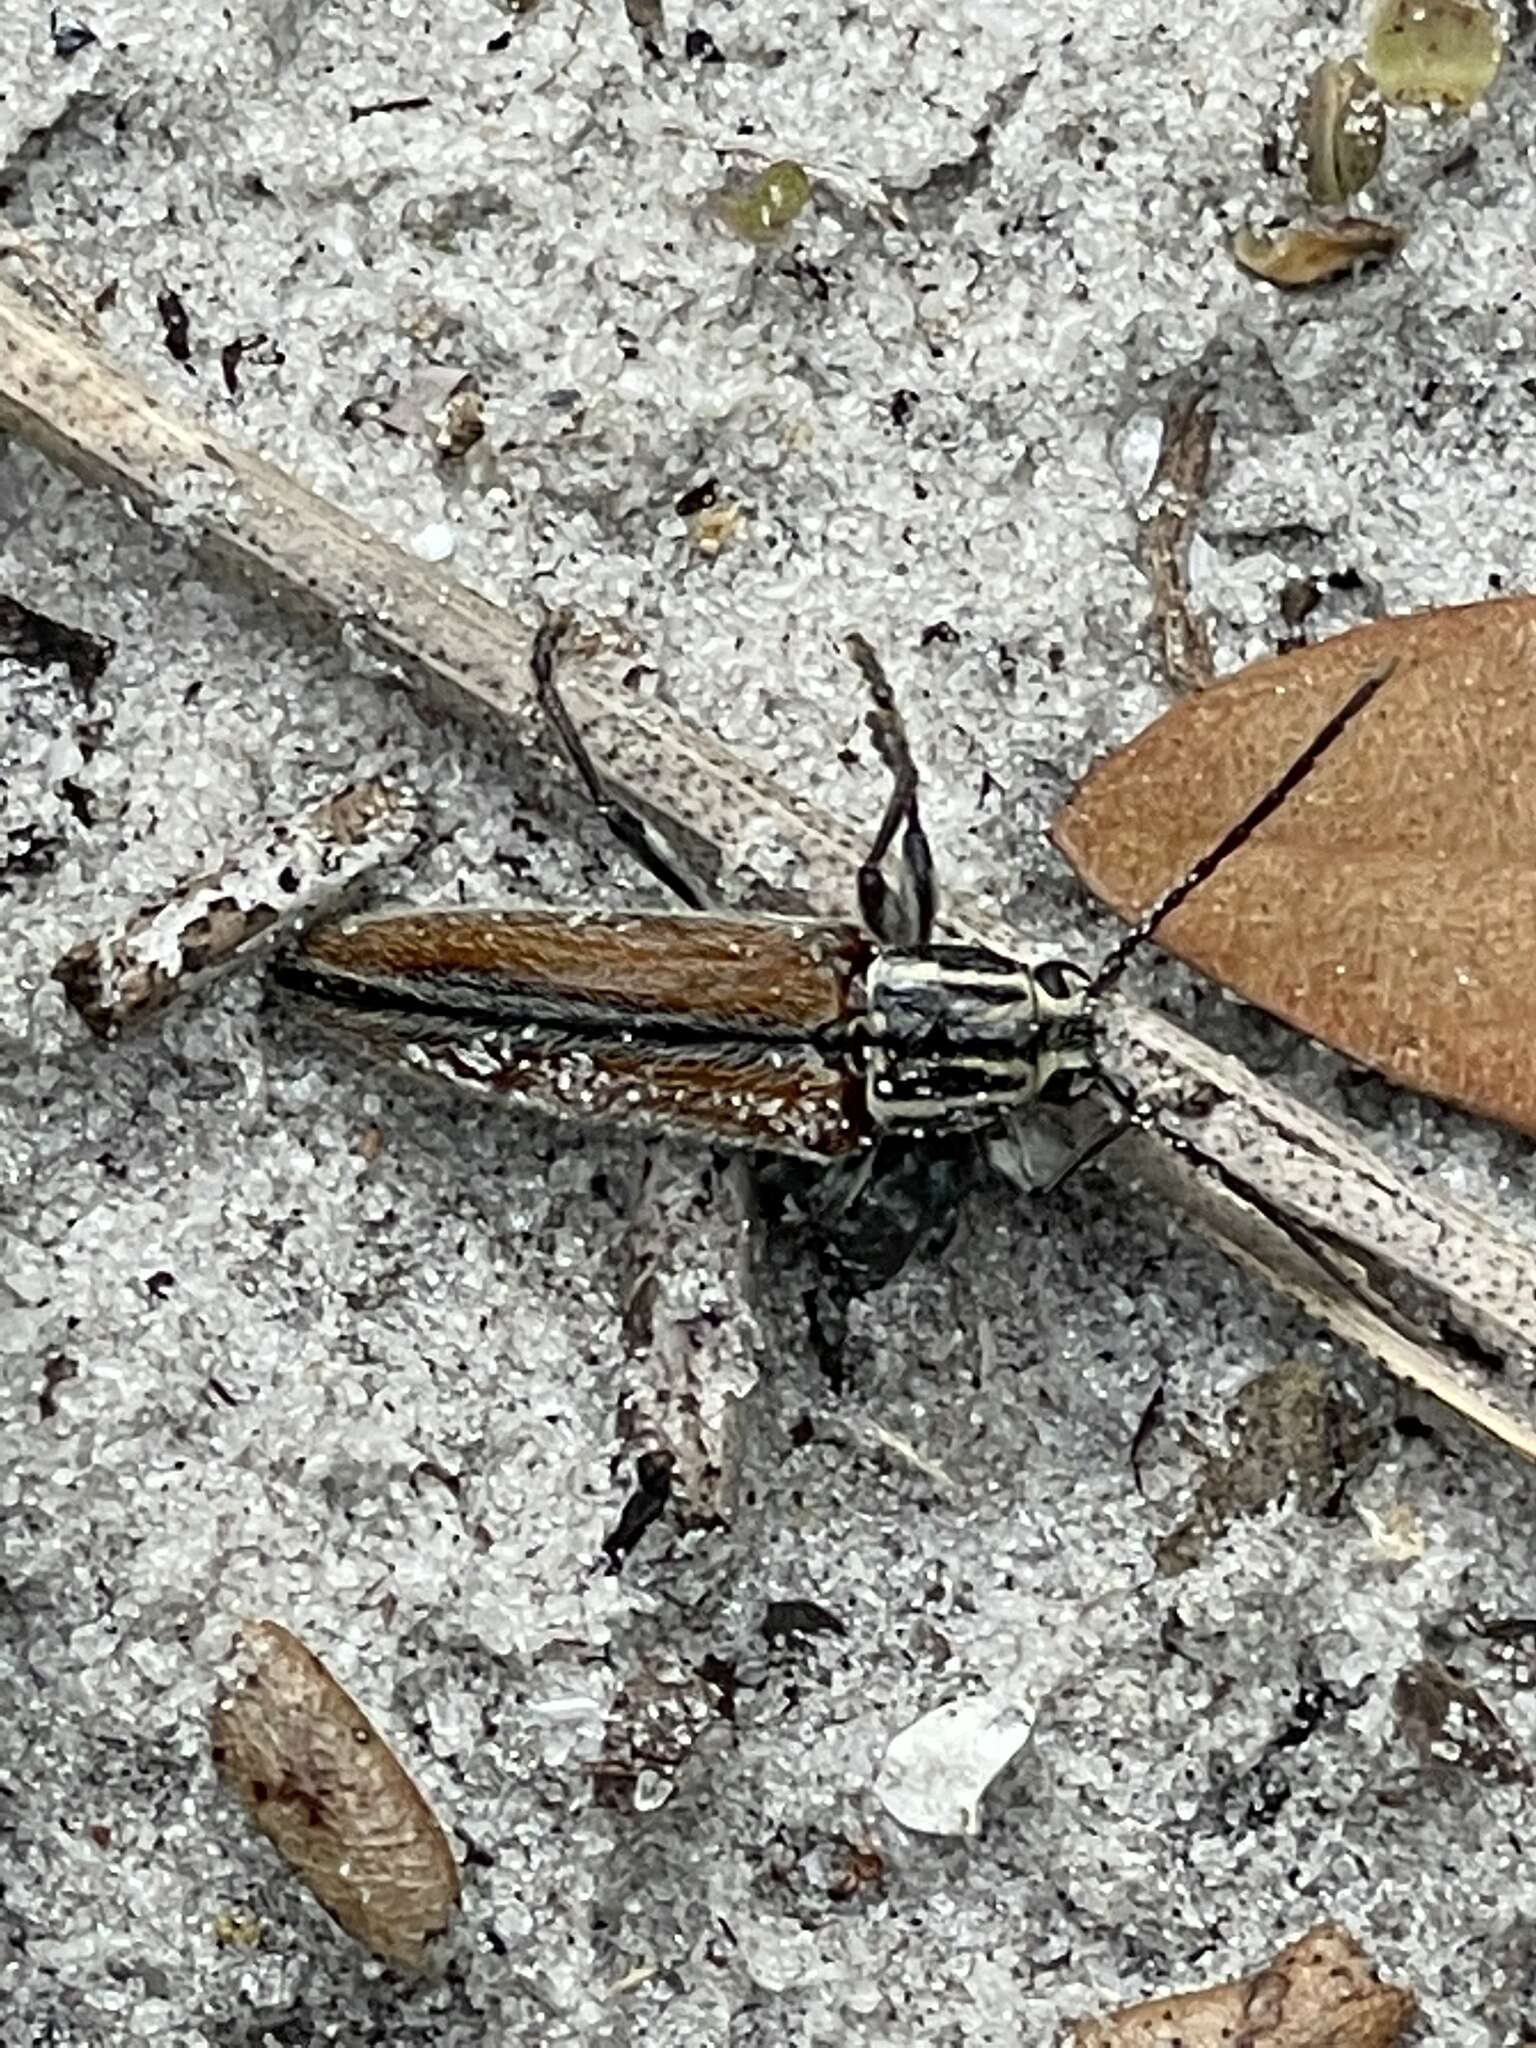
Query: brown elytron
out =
(777, 975)
(326, 1790)
(790, 1101)
(726, 1028)
(1389, 906)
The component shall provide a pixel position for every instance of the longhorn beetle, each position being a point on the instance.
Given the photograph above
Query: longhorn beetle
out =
(874, 1054)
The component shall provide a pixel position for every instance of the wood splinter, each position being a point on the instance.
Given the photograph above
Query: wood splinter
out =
(1321, 1992)
(295, 870)
(1173, 503)
(692, 1342)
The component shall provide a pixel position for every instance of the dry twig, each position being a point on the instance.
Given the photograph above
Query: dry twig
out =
(294, 871)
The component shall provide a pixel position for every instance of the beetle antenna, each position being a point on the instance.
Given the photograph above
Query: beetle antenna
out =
(1137, 1114)
(1120, 954)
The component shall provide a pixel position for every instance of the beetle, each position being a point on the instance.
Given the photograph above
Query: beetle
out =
(873, 1054)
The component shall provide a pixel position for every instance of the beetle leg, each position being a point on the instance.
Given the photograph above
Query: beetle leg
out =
(907, 918)
(654, 851)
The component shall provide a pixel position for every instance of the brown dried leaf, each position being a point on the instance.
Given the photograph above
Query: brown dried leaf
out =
(324, 1787)
(1319, 1993)
(1435, 780)
(1315, 252)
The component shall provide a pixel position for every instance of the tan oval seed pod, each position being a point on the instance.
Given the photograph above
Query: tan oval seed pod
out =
(327, 1791)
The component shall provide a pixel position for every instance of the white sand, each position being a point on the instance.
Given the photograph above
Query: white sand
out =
(196, 1208)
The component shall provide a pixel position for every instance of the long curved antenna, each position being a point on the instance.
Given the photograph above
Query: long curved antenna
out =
(1140, 1115)
(1119, 955)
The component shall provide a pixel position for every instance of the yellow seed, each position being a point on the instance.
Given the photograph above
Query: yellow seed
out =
(237, 1930)
(324, 1787)
(760, 211)
(1344, 130)
(1315, 252)
(715, 527)
(1434, 52)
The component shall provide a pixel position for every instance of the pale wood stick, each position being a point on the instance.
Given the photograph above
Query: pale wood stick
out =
(292, 871)
(306, 555)
(1331, 1183)
(692, 1343)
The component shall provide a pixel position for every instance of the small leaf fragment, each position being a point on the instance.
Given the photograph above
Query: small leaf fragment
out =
(1319, 1993)
(1315, 252)
(654, 1727)
(1446, 1721)
(1293, 1434)
(1425, 53)
(327, 1791)
(760, 211)
(1344, 130)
